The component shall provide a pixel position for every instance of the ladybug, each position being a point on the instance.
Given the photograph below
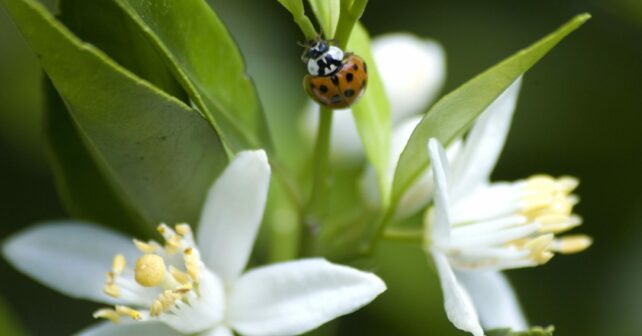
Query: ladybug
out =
(335, 79)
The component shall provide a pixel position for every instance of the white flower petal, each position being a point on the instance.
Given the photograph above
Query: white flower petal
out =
(413, 71)
(70, 257)
(440, 224)
(421, 191)
(495, 300)
(218, 331)
(459, 307)
(232, 214)
(294, 297)
(135, 328)
(484, 143)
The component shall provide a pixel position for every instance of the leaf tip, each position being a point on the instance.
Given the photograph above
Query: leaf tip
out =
(581, 18)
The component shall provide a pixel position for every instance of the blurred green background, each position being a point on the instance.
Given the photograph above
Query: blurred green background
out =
(580, 113)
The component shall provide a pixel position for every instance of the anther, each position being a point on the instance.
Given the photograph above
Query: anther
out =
(145, 247)
(572, 244)
(118, 264)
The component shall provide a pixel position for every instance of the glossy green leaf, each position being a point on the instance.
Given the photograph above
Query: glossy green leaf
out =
(78, 177)
(159, 155)
(454, 114)
(327, 13)
(105, 25)
(372, 112)
(208, 64)
(534, 331)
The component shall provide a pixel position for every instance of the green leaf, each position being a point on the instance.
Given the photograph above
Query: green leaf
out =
(327, 13)
(77, 175)
(533, 331)
(372, 112)
(104, 24)
(208, 64)
(159, 155)
(455, 113)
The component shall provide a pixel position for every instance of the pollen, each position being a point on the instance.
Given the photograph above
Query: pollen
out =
(150, 270)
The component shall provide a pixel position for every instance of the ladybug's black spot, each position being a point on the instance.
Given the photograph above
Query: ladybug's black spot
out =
(348, 93)
(355, 67)
(312, 86)
(335, 99)
(365, 67)
(323, 88)
(349, 77)
(334, 80)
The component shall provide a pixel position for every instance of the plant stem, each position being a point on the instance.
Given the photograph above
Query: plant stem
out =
(321, 158)
(320, 162)
(350, 14)
(410, 236)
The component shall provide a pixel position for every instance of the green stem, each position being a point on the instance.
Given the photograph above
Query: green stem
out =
(350, 14)
(320, 161)
(410, 236)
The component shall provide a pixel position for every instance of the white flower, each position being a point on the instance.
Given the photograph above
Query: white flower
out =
(477, 228)
(181, 288)
(413, 71)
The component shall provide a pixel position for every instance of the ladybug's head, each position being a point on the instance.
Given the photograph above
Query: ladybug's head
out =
(314, 49)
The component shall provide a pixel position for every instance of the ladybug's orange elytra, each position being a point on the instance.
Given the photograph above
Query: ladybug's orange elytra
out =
(341, 89)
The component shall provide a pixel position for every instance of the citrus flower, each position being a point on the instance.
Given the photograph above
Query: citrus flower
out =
(477, 227)
(193, 284)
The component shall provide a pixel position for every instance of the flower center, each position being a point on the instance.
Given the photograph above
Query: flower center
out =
(167, 282)
(515, 225)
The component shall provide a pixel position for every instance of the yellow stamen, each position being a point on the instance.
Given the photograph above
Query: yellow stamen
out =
(180, 276)
(183, 229)
(573, 244)
(118, 264)
(110, 286)
(150, 270)
(112, 290)
(174, 244)
(539, 248)
(108, 314)
(127, 311)
(161, 228)
(191, 264)
(164, 301)
(145, 247)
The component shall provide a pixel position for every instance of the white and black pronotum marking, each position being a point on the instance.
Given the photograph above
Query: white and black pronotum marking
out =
(323, 59)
